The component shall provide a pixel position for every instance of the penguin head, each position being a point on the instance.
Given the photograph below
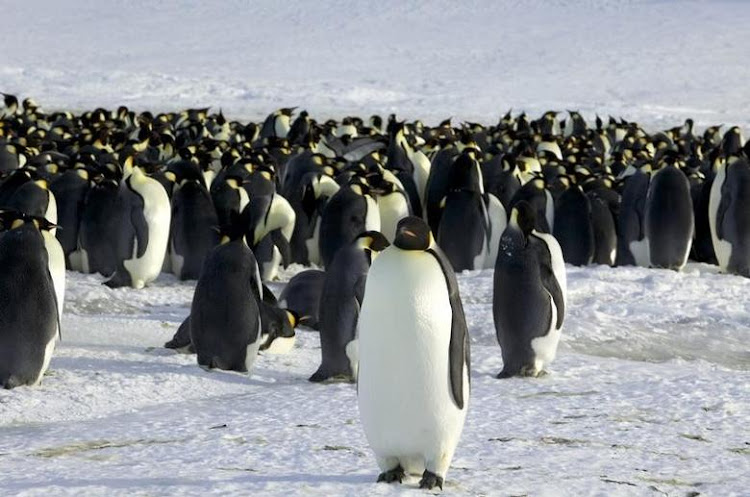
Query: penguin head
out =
(12, 219)
(372, 242)
(412, 233)
(523, 217)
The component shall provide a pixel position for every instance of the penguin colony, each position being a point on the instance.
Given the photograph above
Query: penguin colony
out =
(389, 209)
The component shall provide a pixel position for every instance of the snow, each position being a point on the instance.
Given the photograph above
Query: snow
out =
(650, 394)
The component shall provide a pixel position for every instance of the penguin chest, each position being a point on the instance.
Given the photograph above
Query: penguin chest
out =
(393, 208)
(404, 384)
(157, 214)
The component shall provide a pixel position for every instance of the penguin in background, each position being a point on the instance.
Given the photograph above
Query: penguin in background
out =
(348, 213)
(393, 205)
(340, 303)
(35, 199)
(669, 223)
(472, 221)
(604, 229)
(536, 194)
(70, 189)
(98, 233)
(573, 229)
(29, 314)
(437, 184)
(225, 321)
(632, 244)
(143, 231)
(413, 337)
(529, 295)
(277, 124)
(194, 228)
(729, 216)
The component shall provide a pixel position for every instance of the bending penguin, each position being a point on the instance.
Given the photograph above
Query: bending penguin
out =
(29, 316)
(529, 293)
(413, 383)
(340, 301)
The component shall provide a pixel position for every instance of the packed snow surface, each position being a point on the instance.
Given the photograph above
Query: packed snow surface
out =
(650, 394)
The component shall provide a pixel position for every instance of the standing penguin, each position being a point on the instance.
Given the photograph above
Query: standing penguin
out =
(225, 323)
(413, 384)
(729, 217)
(669, 222)
(70, 189)
(194, 228)
(340, 302)
(632, 244)
(529, 293)
(347, 214)
(573, 228)
(29, 317)
(143, 231)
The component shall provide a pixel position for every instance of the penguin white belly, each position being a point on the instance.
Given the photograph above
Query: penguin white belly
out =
(549, 211)
(177, 261)
(51, 213)
(56, 264)
(422, 167)
(372, 218)
(405, 400)
(270, 269)
(393, 208)
(545, 348)
(722, 248)
(312, 244)
(352, 352)
(48, 350)
(252, 351)
(641, 252)
(157, 212)
(558, 262)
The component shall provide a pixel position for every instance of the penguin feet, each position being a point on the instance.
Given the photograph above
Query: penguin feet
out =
(532, 372)
(430, 480)
(392, 475)
(505, 373)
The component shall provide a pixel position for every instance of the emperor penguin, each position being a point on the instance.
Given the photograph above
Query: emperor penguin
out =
(70, 189)
(529, 295)
(573, 229)
(143, 231)
(302, 295)
(472, 221)
(669, 222)
(413, 382)
(29, 315)
(632, 244)
(194, 228)
(348, 213)
(225, 321)
(340, 302)
(98, 232)
(729, 216)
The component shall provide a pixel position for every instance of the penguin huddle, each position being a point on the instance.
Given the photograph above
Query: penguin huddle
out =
(228, 204)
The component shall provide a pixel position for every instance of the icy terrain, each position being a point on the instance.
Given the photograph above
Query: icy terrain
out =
(650, 394)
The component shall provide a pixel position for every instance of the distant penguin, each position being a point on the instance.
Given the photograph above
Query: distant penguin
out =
(540, 198)
(605, 232)
(573, 229)
(437, 185)
(340, 302)
(348, 213)
(393, 205)
(669, 222)
(228, 196)
(632, 244)
(413, 384)
(143, 231)
(472, 221)
(729, 217)
(29, 316)
(225, 322)
(70, 189)
(277, 124)
(308, 201)
(194, 229)
(529, 295)
(99, 230)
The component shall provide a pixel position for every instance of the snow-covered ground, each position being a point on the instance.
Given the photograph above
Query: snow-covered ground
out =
(650, 394)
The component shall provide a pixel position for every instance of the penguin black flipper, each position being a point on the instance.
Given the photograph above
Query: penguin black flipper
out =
(181, 339)
(726, 201)
(140, 226)
(547, 275)
(459, 353)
